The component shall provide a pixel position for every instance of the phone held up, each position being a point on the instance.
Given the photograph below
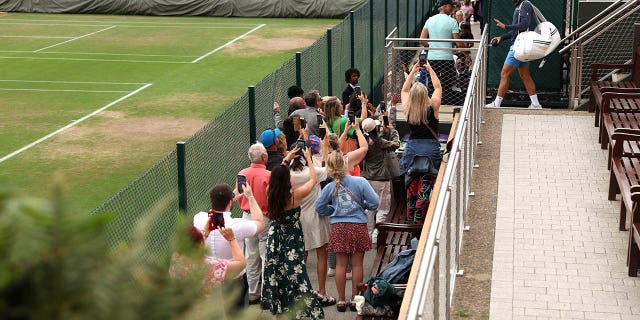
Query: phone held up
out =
(216, 219)
(357, 90)
(385, 120)
(383, 107)
(352, 117)
(241, 180)
(424, 54)
(322, 132)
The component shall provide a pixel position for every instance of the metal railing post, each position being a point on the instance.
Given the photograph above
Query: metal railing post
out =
(182, 177)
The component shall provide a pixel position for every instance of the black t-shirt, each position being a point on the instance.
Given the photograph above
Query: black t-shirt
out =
(420, 131)
(274, 158)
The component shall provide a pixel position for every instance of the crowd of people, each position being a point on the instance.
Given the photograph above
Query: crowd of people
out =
(320, 180)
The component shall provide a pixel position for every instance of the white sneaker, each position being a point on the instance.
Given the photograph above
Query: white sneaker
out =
(534, 107)
(349, 274)
(331, 272)
(491, 105)
(456, 88)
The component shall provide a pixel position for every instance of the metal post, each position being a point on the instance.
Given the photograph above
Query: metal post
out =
(353, 38)
(398, 16)
(182, 178)
(371, 44)
(252, 114)
(299, 69)
(329, 64)
(415, 19)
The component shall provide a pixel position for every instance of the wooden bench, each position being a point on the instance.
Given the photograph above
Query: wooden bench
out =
(625, 169)
(619, 110)
(598, 88)
(634, 235)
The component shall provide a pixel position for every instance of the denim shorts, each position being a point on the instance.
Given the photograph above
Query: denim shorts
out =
(512, 61)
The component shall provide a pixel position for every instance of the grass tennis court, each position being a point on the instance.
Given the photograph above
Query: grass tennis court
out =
(92, 101)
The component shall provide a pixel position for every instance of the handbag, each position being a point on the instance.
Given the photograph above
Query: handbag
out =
(380, 292)
(534, 45)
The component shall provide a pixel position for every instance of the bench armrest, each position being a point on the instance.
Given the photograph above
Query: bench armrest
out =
(386, 226)
(608, 96)
(618, 137)
(595, 67)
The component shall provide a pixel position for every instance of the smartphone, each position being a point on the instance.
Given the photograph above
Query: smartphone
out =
(423, 57)
(352, 117)
(322, 132)
(385, 120)
(303, 123)
(216, 219)
(319, 119)
(241, 180)
(383, 107)
(296, 123)
(357, 90)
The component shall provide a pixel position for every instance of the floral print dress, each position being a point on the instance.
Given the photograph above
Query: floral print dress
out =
(286, 286)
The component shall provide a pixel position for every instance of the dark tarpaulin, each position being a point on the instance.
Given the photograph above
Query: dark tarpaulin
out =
(238, 8)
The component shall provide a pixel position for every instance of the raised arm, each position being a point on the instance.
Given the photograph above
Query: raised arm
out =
(356, 156)
(436, 97)
(239, 262)
(254, 208)
(406, 87)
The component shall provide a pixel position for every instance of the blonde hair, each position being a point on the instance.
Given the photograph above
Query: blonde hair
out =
(331, 109)
(336, 168)
(418, 104)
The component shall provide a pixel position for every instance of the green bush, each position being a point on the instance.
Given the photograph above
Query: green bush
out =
(56, 265)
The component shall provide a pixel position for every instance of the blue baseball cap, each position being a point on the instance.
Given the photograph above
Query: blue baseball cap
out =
(269, 137)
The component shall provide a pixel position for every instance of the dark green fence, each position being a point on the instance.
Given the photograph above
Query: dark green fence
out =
(218, 151)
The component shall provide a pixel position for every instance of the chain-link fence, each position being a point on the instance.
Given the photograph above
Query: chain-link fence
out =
(218, 151)
(606, 40)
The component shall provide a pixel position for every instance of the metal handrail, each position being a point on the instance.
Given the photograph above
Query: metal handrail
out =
(427, 261)
(599, 27)
(587, 24)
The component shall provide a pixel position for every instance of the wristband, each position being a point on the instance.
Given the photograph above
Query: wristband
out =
(231, 239)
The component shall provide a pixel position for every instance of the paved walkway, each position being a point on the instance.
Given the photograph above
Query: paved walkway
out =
(558, 252)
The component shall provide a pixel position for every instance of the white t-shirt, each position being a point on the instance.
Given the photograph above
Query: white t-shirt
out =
(217, 245)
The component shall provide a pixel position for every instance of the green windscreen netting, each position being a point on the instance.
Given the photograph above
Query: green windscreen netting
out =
(218, 151)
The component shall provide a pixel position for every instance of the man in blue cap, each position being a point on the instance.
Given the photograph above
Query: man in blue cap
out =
(269, 138)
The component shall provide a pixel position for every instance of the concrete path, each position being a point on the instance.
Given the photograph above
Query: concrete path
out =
(558, 252)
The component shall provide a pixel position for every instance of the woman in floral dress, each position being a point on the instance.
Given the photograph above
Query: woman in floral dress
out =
(286, 287)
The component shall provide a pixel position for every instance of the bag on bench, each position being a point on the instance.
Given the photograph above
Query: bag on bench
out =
(380, 292)
(398, 270)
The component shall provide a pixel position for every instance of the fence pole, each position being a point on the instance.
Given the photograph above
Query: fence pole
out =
(299, 69)
(329, 64)
(407, 19)
(371, 45)
(415, 20)
(398, 16)
(353, 38)
(252, 114)
(386, 17)
(182, 178)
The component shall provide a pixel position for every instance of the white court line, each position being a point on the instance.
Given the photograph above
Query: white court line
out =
(56, 90)
(36, 37)
(228, 43)
(29, 146)
(81, 82)
(74, 39)
(133, 22)
(132, 26)
(120, 54)
(89, 59)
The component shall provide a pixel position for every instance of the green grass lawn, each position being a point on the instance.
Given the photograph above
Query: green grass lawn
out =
(63, 67)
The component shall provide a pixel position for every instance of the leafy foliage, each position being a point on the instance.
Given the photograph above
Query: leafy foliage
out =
(56, 265)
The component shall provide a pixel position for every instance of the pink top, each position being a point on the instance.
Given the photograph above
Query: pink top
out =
(258, 178)
(181, 267)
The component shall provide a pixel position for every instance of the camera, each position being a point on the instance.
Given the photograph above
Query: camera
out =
(494, 42)
(216, 219)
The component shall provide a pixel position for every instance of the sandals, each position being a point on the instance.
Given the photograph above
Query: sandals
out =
(352, 307)
(325, 300)
(342, 306)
